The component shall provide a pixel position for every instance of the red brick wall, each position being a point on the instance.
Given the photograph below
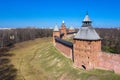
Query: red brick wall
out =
(109, 61)
(55, 33)
(86, 53)
(64, 49)
(89, 54)
(63, 30)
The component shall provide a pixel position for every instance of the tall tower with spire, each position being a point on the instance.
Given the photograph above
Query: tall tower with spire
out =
(63, 30)
(87, 45)
(56, 32)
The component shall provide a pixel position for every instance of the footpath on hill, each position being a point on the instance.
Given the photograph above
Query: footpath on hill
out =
(39, 60)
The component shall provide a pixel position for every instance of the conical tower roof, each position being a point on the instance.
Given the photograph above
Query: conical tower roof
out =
(86, 18)
(71, 28)
(87, 32)
(56, 28)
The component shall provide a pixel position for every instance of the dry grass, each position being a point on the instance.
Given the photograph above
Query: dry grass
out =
(40, 60)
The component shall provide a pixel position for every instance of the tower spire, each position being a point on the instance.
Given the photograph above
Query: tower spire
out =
(87, 19)
(87, 32)
(86, 12)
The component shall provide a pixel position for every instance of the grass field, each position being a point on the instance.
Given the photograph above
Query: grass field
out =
(40, 60)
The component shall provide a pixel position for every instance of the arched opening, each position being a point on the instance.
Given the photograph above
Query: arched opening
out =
(84, 67)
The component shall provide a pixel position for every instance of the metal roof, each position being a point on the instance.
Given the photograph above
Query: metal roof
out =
(69, 44)
(56, 28)
(71, 32)
(87, 32)
(87, 18)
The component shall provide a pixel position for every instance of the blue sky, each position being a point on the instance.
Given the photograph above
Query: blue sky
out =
(46, 13)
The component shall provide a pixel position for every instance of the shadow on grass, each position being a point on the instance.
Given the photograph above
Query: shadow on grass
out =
(7, 70)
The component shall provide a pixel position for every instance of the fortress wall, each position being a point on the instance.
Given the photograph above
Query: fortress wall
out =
(67, 51)
(109, 61)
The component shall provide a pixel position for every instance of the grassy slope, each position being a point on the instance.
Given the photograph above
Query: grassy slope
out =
(40, 60)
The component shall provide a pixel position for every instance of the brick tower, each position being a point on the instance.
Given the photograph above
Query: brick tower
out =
(56, 32)
(87, 45)
(63, 30)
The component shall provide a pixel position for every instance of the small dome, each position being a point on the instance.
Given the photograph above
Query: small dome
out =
(63, 21)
